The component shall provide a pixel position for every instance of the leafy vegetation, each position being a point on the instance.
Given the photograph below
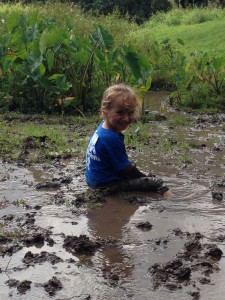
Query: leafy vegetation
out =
(61, 62)
(46, 63)
(138, 10)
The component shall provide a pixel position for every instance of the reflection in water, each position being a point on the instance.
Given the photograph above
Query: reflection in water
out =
(108, 222)
(111, 217)
(155, 99)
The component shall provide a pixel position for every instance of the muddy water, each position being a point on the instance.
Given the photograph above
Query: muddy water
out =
(120, 270)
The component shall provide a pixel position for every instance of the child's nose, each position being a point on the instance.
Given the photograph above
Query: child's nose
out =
(127, 118)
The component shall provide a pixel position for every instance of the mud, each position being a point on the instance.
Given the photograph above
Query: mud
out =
(196, 257)
(80, 245)
(61, 240)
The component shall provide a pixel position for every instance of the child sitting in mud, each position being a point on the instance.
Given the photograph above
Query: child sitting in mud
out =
(107, 164)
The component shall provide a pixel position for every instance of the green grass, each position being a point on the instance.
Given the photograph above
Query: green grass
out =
(55, 134)
(178, 120)
(44, 137)
(208, 37)
(200, 29)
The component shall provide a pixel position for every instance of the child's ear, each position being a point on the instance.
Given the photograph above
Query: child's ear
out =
(104, 113)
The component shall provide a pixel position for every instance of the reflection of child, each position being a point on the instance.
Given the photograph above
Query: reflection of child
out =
(107, 163)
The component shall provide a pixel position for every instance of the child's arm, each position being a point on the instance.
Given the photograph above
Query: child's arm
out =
(157, 185)
(132, 172)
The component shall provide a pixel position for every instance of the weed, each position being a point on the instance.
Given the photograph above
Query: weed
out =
(98, 205)
(168, 144)
(194, 145)
(179, 120)
(20, 202)
(186, 159)
(14, 234)
(3, 203)
(137, 134)
(83, 260)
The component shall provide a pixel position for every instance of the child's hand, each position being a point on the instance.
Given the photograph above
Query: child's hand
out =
(150, 175)
(167, 194)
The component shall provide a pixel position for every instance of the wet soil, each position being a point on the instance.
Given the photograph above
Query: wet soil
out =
(60, 240)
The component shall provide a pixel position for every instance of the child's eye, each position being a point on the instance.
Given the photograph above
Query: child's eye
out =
(121, 112)
(125, 112)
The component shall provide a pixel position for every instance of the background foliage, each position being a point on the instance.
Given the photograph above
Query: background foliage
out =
(56, 58)
(139, 10)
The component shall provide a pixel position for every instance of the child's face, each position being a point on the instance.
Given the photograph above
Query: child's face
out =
(120, 115)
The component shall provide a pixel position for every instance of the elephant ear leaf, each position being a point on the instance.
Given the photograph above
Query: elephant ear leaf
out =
(132, 60)
(50, 39)
(102, 37)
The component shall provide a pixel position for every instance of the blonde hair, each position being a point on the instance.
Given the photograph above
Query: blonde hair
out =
(117, 90)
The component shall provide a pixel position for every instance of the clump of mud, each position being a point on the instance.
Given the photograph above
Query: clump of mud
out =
(90, 197)
(54, 183)
(80, 245)
(22, 286)
(52, 286)
(196, 257)
(144, 225)
(31, 259)
(20, 232)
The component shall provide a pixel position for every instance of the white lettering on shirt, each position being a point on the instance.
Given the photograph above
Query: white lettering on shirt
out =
(91, 152)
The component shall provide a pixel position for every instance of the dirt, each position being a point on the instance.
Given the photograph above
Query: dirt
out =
(61, 240)
(196, 256)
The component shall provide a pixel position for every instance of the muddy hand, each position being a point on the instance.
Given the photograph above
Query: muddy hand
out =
(150, 174)
(167, 194)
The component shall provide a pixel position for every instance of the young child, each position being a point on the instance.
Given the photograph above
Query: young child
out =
(107, 163)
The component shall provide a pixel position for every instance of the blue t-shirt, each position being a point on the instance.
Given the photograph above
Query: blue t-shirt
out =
(105, 157)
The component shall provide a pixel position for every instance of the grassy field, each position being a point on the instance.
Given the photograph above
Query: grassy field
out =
(200, 29)
(208, 36)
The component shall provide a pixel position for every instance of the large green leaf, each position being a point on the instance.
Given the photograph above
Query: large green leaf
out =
(44, 82)
(51, 38)
(12, 21)
(54, 76)
(42, 69)
(33, 63)
(132, 60)
(102, 37)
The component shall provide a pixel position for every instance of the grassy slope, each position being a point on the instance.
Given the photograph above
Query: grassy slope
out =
(200, 29)
(209, 36)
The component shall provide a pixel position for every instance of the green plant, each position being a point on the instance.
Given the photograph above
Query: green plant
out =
(186, 159)
(46, 64)
(194, 145)
(14, 234)
(178, 120)
(211, 71)
(179, 71)
(19, 202)
(3, 203)
(137, 134)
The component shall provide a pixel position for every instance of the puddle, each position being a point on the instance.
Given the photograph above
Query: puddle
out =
(121, 267)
